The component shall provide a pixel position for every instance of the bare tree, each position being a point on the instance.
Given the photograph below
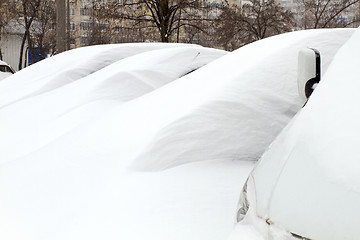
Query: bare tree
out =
(36, 18)
(168, 15)
(258, 19)
(265, 18)
(162, 17)
(27, 11)
(327, 13)
(229, 31)
(43, 31)
(101, 28)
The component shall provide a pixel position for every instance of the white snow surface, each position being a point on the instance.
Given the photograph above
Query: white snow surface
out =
(312, 169)
(67, 101)
(4, 75)
(113, 142)
(308, 181)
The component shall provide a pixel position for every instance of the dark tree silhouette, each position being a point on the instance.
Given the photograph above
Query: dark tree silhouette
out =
(258, 19)
(327, 13)
(167, 17)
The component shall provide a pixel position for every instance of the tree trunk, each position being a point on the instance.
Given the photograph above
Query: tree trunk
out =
(60, 25)
(22, 50)
(178, 27)
(164, 20)
(31, 47)
(164, 36)
(1, 56)
(68, 24)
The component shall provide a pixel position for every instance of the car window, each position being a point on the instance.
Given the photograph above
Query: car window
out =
(4, 68)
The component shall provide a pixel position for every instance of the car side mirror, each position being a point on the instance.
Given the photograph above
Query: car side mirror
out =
(309, 70)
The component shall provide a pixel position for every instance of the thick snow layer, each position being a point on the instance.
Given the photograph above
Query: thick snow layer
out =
(4, 75)
(68, 67)
(239, 102)
(62, 108)
(324, 144)
(76, 199)
(72, 169)
(308, 181)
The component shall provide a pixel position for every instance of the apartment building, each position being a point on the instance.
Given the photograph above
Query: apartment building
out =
(80, 21)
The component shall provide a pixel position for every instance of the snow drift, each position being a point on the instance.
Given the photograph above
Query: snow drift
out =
(239, 102)
(68, 67)
(60, 107)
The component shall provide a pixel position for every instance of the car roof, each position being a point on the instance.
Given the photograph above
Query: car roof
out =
(3, 63)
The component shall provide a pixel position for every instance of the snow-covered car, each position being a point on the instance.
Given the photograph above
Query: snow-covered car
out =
(5, 70)
(307, 184)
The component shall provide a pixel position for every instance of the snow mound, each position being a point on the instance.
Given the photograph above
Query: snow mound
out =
(63, 108)
(234, 107)
(67, 67)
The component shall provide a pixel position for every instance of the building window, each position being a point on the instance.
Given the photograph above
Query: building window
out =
(118, 29)
(102, 27)
(72, 26)
(85, 11)
(85, 25)
(84, 41)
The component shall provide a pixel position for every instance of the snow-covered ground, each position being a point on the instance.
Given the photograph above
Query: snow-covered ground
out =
(126, 142)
